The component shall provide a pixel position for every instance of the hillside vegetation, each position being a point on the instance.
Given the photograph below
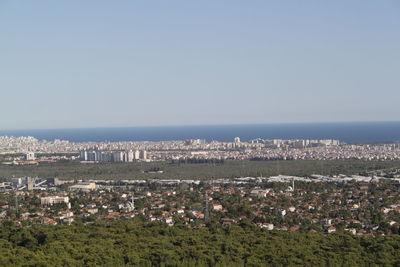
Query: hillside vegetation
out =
(139, 243)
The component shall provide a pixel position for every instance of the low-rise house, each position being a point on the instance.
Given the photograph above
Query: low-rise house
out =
(331, 229)
(217, 207)
(227, 221)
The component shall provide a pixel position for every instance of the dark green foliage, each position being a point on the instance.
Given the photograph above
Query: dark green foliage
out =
(138, 243)
(193, 169)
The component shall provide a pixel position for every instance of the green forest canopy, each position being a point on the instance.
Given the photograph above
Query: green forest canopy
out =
(228, 169)
(139, 243)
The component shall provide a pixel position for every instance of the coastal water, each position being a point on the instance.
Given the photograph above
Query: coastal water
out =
(354, 132)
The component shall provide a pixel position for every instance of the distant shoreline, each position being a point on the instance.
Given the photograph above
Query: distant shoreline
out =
(349, 132)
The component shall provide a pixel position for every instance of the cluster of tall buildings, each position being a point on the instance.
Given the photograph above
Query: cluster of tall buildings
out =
(294, 143)
(113, 156)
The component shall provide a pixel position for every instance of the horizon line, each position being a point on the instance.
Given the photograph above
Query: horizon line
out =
(198, 125)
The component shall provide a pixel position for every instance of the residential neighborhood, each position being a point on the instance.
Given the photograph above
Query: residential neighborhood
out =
(361, 207)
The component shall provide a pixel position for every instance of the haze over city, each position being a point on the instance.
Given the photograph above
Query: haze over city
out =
(106, 64)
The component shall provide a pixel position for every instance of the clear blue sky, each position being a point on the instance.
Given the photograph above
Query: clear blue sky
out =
(131, 63)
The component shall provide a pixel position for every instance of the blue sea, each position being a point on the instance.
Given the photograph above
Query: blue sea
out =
(349, 132)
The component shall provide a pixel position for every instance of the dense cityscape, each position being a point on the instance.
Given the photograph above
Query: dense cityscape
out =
(257, 149)
(366, 204)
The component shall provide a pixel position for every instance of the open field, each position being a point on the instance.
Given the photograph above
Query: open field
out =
(136, 170)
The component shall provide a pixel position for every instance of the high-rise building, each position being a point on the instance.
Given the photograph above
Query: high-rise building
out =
(137, 155)
(30, 156)
(143, 154)
(129, 156)
(83, 155)
(119, 156)
(91, 156)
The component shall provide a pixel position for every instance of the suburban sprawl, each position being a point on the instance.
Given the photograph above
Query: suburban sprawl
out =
(365, 203)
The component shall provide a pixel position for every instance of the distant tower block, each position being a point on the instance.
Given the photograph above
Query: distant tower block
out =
(30, 156)
(236, 140)
(143, 154)
(130, 156)
(136, 155)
